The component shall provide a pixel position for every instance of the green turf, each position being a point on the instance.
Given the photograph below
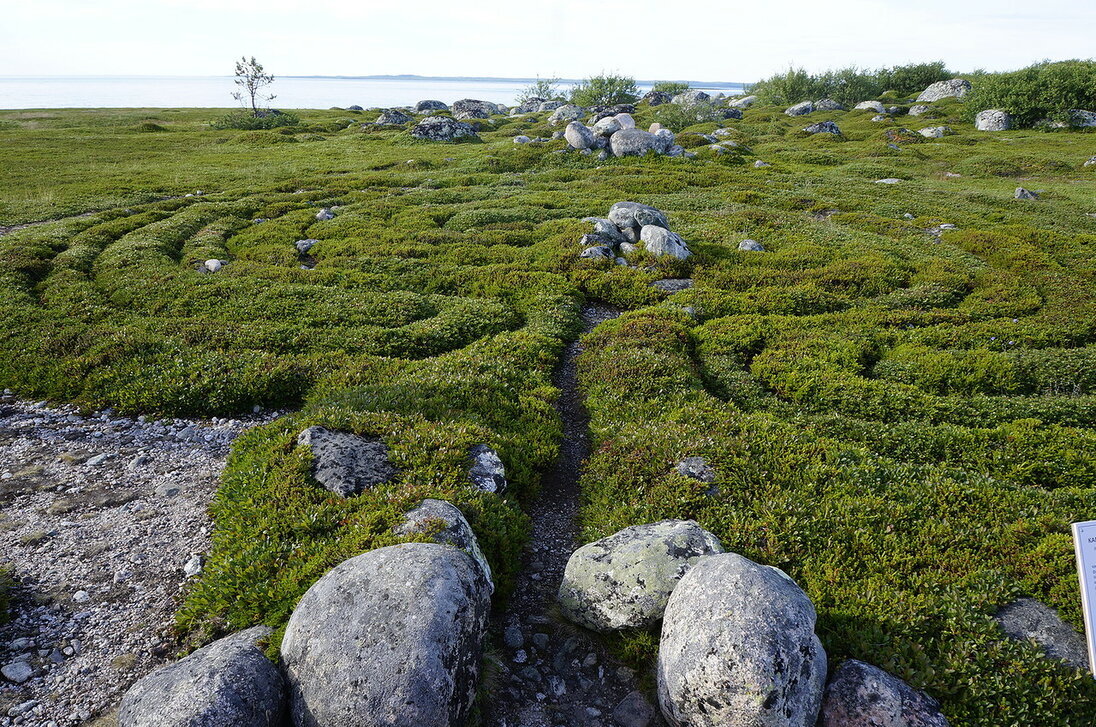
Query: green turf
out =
(900, 418)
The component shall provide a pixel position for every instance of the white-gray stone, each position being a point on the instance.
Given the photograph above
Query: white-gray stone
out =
(828, 104)
(566, 114)
(225, 684)
(919, 109)
(390, 637)
(954, 88)
(423, 107)
(578, 135)
(633, 215)
(345, 463)
(393, 117)
(744, 102)
(447, 526)
(626, 121)
(213, 265)
(869, 106)
(823, 127)
(17, 672)
(1026, 619)
(1022, 193)
(607, 126)
(888, 180)
(442, 128)
(751, 246)
(487, 471)
(862, 695)
(624, 581)
(635, 142)
(738, 648)
(660, 241)
(606, 230)
(692, 97)
(935, 132)
(993, 120)
(597, 252)
(325, 214)
(800, 109)
(759, 164)
(304, 246)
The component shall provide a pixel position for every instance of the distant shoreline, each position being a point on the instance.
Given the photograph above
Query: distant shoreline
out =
(380, 77)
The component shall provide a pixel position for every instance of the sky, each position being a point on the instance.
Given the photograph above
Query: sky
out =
(702, 40)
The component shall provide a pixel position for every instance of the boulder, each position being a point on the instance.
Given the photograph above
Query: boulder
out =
(758, 164)
(993, 120)
(470, 108)
(918, 110)
(565, 114)
(955, 88)
(744, 102)
(354, 107)
(345, 463)
(447, 526)
(1081, 119)
(487, 472)
(607, 126)
(442, 128)
(303, 246)
(547, 106)
(227, 683)
(692, 97)
(634, 215)
(606, 230)
(390, 637)
(578, 135)
(636, 142)
(823, 127)
(597, 252)
(828, 104)
(1022, 193)
(730, 113)
(626, 121)
(624, 581)
(751, 246)
(935, 132)
(869, 106)
(664, 139)
(634, 711)
(862, 695)
(529, 105)
(659, 241)
(600, 112)
(800, 109)
(423, 107)
(657, 98)
(1026, 619)
(392, 117)
(325, 214)
(522, 139)
(738, 648)
(214, 265)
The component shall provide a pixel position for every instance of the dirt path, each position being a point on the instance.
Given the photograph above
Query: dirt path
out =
(555, 674)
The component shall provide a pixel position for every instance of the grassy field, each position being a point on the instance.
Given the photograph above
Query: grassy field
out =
(901, 417)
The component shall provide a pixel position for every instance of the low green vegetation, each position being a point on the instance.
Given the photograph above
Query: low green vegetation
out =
(900, 416)
(1043, 91)
(606, 89)
(849, 85)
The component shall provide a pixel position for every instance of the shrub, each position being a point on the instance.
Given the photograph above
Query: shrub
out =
(849, 85)
(546, 88)
(247, 120)
(605, 90)
(676, 117)
(1044, 90)
(671, 87)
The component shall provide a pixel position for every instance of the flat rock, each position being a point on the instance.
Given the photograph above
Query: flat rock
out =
(738, 648)
(227, 683)
(624, 580)
(1026, 619)
(390, 637)
(345, 463)
(672, 285)
(862, 695)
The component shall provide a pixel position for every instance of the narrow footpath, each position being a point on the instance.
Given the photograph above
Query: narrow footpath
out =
(554, 674)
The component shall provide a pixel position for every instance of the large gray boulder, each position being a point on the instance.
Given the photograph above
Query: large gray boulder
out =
(828, 104)
(823, 127)
(660, 241)
(608, 126)
(935, 132)
(869, 106)
(423, 107)
(738, 648)
(955, 88)
(744, 102)
(487, 471)
(390, 637)
(993, 120)
(800, 109)
(656, 98)
(225, 684)
(345, 463)
(566, 114)
(692, 97)
(393, 117)
(529, 105)
(549, 106)
(447, 526)
(578, 135)
(1026, 619)
(624, 581)
(1081, 119)
(470, 108)
(635, 215)
(606, 230)
(636, 142)
(862, 695)
(442, 128)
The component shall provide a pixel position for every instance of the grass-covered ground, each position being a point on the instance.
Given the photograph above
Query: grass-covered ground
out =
(899, 417)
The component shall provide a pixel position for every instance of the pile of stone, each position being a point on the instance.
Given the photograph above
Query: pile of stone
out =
(535, 105)
(617, 135)
(632, 227)
(443, 128)
(738, 642)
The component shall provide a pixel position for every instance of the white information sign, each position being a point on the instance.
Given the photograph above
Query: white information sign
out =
(1084, 542)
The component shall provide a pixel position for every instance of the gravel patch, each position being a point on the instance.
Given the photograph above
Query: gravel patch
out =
(103, 519)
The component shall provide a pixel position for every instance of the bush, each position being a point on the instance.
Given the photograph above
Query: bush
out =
(849, 85)
(546, 88)
(1044, 90)
(249, 121)
(605, 90)
(677, 117)
(671, 87)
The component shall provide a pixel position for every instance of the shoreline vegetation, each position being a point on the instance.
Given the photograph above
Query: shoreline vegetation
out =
(894, 388)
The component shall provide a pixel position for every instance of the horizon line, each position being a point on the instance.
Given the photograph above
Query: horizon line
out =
(373, 77)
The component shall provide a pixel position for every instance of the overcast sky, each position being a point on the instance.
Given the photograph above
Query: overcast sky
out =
(704, 40)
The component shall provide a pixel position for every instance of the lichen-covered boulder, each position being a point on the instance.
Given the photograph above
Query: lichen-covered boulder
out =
(578, 135)
(828, 104)
(823, 127)
(442, 128)
(954, 88)
(225, 684)
(738, 648)
(423, 107)
(447, 526)
(597, 252)
(862, 695)
(487, 472)
(393, 117)
(935, 132)
(744, 102)
(918, 110)
(869, 106)
(635, 142)
(692, 97)
(606, 230)
(529, 105)
(345, 463)
(660, 241)
(390, 637)
(566, 114)
(1026, 619)
(623, 581)
(634, 215)
(470, 108)
(546, 106)
(626, 121)
(993, 120)
(800, 109)
(607, 126)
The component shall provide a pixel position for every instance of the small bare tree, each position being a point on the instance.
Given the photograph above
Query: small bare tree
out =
(252, 80)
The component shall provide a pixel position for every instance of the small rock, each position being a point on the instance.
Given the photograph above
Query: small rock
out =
(759, 164)
(303, 246)
(919, 110)
(193, 567)
(423, 107)
(634, 711)
(935, 132)
(392, 117)
(696, 468)
(213, 265)
(447, 526)
(442, 128)
(888, 180)
(325, 214)
(823, 127)
(828, 104)
(1022, 193)
(751, 246)
(512, 637)
(1027, 619)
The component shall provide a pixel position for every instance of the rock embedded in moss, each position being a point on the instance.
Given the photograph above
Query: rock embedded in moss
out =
(869, 106)
(427, 106)
(344, 463)
(1027, 619)
(487, 472)
(862, 695)
(393, 117)
(660, 241)
(738, 647)
(442, 128)
(823, 127)
(993, 120)
(624, 581)
(800, 109)
(635, 215)
(566, 113)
